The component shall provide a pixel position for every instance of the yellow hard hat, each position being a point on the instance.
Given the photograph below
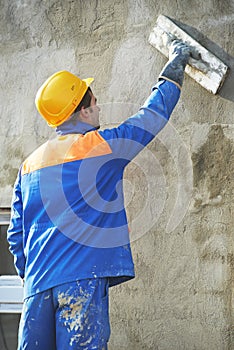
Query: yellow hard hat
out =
(59, 96)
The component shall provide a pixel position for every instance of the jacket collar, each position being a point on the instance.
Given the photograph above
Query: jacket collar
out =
(74, 127)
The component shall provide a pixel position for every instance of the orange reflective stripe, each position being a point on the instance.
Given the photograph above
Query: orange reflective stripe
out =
(67, 148)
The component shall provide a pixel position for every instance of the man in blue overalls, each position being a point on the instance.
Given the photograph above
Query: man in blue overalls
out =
(68, 231)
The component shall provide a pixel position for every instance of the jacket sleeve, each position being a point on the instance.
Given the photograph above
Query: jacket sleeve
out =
(15, 230)
(130, 137)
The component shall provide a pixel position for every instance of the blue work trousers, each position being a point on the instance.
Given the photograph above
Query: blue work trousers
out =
(70, 316)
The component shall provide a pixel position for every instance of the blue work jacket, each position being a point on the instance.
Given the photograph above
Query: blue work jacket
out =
(68, 218)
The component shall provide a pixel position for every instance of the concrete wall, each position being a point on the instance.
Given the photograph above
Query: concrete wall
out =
(179, 191)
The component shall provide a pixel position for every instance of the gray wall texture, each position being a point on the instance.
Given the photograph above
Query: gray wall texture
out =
(179, 191)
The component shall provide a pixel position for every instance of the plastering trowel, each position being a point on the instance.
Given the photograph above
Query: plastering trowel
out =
(204, 67)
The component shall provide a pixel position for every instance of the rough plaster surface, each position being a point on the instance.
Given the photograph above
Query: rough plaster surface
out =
(179, 192)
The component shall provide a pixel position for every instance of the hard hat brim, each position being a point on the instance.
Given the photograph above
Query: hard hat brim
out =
(88, 81)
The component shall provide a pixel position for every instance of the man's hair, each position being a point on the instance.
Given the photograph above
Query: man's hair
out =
(85, 102)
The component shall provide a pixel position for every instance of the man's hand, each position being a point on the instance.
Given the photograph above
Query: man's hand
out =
(181, 50)
(179, 54)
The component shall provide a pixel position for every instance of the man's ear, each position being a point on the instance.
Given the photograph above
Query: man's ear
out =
(84, 112)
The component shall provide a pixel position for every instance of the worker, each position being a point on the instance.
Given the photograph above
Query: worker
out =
(68, 230)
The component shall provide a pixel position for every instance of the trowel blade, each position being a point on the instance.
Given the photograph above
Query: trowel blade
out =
(207, 70)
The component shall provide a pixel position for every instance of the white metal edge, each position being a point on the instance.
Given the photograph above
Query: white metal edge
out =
(10, 308)
(11, 294)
